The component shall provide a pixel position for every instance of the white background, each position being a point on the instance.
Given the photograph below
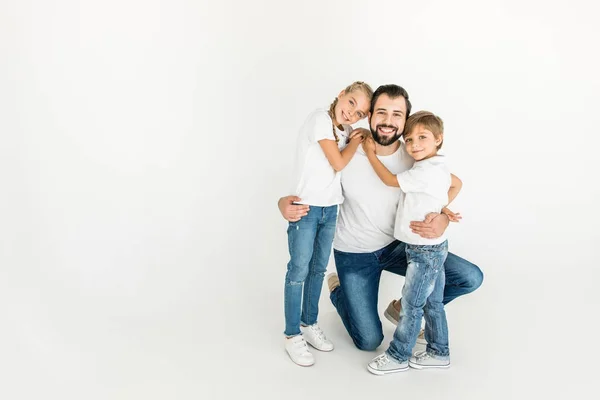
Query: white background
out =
(144, 145)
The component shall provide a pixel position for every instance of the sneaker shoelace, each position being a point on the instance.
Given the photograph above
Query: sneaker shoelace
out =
(301, 345)
(318, 332)
(382, 360)
(422, 355)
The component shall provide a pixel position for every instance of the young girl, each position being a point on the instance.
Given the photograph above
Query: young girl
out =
(427, 187)
(325, 146)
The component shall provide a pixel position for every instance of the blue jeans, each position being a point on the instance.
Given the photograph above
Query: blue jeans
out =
(310, 241)
(359, 273)
(423, 292)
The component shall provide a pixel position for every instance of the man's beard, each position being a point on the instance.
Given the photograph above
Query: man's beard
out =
(385, 140)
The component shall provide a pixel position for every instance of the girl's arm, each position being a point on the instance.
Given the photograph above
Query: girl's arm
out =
(337, 159)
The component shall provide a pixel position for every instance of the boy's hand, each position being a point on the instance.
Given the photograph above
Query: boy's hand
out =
(369, 145)
(452, 216)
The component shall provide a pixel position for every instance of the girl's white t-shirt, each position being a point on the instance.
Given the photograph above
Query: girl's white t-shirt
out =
(315, 181)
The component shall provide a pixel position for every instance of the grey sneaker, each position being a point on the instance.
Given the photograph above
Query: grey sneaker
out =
(423, 359)
(393, 315)
(384, 364)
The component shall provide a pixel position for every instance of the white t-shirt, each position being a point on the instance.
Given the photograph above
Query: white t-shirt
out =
(315, 181)
(423, 189)
(366, 219)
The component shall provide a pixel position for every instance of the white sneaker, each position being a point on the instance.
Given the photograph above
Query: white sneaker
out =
(423, 360)
(316, 338)
(297, 348)
(384, 364)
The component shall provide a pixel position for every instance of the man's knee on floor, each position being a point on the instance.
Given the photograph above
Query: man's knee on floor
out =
(369, 342)
(474, 279)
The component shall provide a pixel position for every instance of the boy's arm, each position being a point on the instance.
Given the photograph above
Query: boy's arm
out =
(337, 159)
(455, 187)
(384, 174)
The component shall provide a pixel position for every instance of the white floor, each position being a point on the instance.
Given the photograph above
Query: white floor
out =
(56, 346)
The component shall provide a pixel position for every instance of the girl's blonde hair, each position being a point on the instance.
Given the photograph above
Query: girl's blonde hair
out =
(358, 85)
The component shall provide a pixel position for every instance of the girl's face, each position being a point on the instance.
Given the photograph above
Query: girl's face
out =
(351, 107)
(421, 143)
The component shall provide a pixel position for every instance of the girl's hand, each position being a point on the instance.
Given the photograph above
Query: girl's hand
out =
(452, 216)
(360, 131)
(369, 145)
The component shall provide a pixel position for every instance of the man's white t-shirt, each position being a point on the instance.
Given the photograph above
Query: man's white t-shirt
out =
(315, 181)
(366, 218)
(423, 190)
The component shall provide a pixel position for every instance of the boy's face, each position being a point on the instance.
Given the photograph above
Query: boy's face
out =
(351, 107)
(421, 143)
(387, 121)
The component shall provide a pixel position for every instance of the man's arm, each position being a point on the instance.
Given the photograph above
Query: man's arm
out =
(290, 211)
(432, 227)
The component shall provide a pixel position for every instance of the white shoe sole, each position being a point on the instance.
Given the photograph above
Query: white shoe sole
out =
(380, 372)
(298, 363)
(317, 348)
(419, 366)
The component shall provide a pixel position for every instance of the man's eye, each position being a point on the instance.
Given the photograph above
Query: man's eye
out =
(422, 137)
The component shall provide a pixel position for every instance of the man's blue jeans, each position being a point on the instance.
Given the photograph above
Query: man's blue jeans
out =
(423, 293)
(309, 241)
(359, 273)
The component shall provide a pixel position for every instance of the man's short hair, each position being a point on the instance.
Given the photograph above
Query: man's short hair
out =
(393, 92)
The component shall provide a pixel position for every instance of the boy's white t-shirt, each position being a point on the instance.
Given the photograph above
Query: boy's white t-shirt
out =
(315, 181)
(423, 190)
(366, 219)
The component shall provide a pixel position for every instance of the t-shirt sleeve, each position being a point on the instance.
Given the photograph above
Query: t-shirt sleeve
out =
(322, 128)
(423, 180)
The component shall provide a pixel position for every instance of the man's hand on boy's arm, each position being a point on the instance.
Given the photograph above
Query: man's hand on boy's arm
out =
(432, 227)
(290, 211)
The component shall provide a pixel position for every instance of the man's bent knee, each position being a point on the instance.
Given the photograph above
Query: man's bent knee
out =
(368, 343)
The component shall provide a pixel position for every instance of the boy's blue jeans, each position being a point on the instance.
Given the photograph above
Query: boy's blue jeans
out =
(309, 241)
(423, 293)
(357, 296)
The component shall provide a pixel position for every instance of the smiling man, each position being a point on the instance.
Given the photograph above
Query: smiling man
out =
(364, 244)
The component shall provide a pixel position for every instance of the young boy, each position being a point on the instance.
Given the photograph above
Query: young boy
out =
(427, 187)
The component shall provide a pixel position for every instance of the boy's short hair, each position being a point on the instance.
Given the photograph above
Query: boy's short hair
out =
(429, 120)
